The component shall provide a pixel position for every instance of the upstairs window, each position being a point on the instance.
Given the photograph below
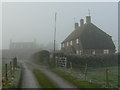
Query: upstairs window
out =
(77, 40)
(106, 51)
(71, 43)
(63, 45)
(67, 43)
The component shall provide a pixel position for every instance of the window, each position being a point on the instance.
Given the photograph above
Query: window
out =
(71, 43)
(80, 52)
(106, 51)
(77, 41)
(77, 52)
(93, 52)
(63, 45)
(67, 43)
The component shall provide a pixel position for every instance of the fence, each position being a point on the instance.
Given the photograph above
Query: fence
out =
(8, 71)
(102, 76)
(61, 62)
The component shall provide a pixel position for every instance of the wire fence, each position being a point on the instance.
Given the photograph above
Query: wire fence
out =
(8, 71)
(105, 76)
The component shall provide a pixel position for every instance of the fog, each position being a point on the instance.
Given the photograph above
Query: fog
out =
(119, 27)
(24, 22)
(0, 25)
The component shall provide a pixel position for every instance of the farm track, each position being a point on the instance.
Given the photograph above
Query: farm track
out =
(28, 80)
(55, 78)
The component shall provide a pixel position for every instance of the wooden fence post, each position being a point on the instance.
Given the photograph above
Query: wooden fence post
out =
(107, 78)
(6, 72)
(10, 67)
(13, 65)
(71, 65)
(16, 63)
(86, 71)
(56, 61)
(65, 62)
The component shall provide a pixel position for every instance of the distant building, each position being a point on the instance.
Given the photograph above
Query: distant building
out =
(22, 50)
(23, 45)
(88, 39)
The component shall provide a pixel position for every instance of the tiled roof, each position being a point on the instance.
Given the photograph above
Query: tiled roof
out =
(91, 37)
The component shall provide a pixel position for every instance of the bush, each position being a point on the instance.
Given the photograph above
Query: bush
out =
(42, 56)
(94, 61)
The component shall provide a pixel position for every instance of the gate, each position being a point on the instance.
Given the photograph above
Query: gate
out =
(61, 62)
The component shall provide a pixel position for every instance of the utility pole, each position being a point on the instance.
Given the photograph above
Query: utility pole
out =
(55, 35)
(89, 12)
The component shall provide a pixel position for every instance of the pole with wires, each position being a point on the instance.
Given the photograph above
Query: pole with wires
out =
(55, 36)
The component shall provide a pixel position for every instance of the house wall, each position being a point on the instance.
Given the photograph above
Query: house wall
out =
(71, 49)
(97, 51)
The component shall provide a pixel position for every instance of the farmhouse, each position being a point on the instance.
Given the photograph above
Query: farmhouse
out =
(88, 39)
(23, 45)
(22, 50)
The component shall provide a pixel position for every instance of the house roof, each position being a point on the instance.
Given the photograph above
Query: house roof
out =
(91, 37)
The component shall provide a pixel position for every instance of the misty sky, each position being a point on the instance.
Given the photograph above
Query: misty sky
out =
(0, 26)
(26, 21)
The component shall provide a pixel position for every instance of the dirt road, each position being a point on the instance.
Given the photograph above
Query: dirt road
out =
(55, 78)
(29, 81)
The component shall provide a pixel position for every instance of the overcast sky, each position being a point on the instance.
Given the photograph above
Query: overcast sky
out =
(26, 21)
(0, 25)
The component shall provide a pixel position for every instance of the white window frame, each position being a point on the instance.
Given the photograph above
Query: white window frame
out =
(77, 40)
(80, 52)
(67, 43)
(93, 52)
(106, 51)
(71, 42)
(63, 45)
(77, 52)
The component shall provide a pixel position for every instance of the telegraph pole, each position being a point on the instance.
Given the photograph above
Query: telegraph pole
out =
(55, 35)
(89, 12)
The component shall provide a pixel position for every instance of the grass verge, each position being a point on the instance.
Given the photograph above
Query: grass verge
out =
(43, 80)
(14, 81)
(74, 80)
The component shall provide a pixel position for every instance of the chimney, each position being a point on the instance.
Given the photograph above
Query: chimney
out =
(81, 22)
(88, 19)
(76, 26)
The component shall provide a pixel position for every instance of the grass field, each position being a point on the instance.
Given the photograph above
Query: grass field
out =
(0, 75)
(15, 81)
(13, 78)
(3, 66)
(98, 75)
(74, 80)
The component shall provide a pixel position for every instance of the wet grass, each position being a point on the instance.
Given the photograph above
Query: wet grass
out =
(43, 80)
(14, 81)
(95, 75)
(98, 75)
(75, 81)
